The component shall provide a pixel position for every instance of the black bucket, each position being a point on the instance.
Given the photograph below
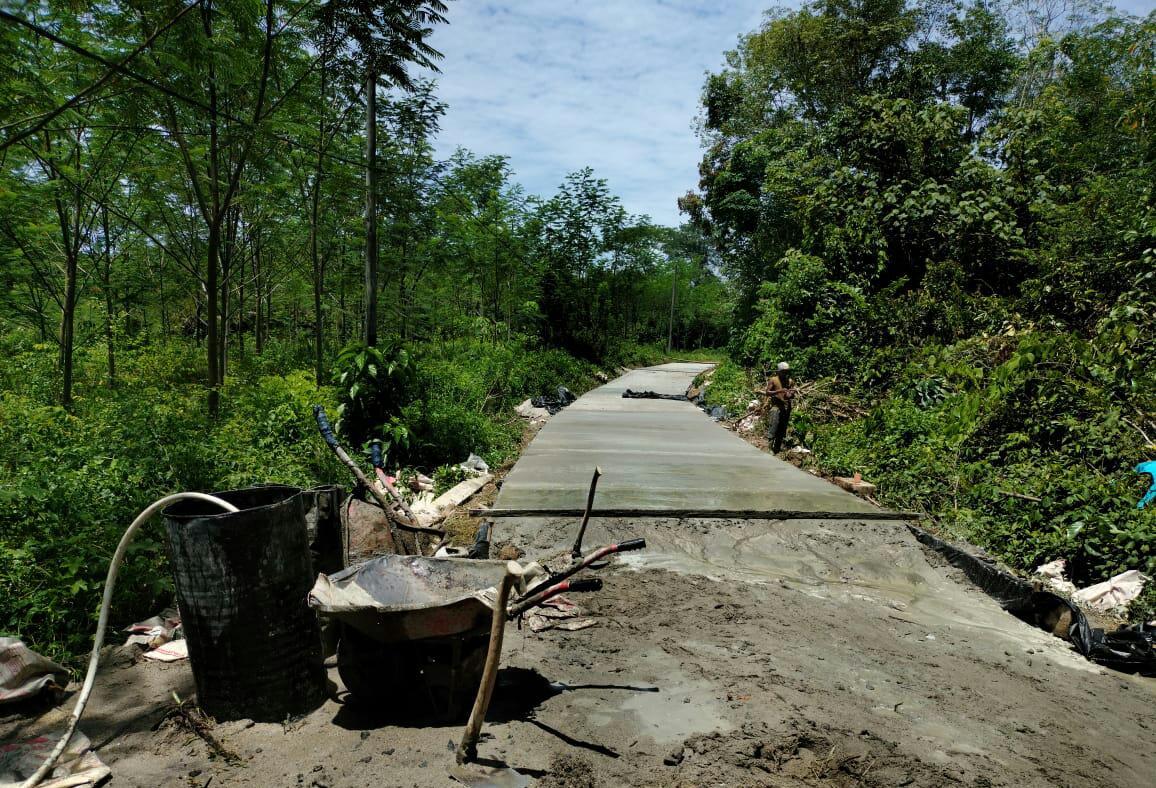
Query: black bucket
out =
(242, 579)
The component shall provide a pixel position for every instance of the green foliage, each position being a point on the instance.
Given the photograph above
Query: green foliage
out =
(446, 476)
(953, 440)
(957, 229)
(72, 482)
(375, 384)
(731, 386)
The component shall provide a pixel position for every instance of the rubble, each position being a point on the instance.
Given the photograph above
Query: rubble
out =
(855, 484)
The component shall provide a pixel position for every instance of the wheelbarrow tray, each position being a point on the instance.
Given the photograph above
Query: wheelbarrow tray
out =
(395, 598)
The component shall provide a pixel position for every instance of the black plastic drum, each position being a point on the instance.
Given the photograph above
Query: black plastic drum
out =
(242, 579)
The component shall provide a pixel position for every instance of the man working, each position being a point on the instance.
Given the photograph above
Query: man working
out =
(780, 391)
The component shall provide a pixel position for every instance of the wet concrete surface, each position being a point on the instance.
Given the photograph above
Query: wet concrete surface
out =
(657, 454)
(842, 626)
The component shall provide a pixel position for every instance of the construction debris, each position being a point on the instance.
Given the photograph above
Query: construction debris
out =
(1054, 574)
(1110, 596)
(24, 674)
(558, 613)
(429, 510)
(562, 398)
(77, 767)
(475, 465)
(855, 484)
(629, 394)
(536, 415)
(1114, 594)
(169, 652)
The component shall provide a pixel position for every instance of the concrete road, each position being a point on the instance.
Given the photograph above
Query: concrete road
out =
(802, 653)
(658, 454)
(842, 634)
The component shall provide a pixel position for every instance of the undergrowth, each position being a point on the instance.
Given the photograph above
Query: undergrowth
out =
(1016, 443)
(71, 481)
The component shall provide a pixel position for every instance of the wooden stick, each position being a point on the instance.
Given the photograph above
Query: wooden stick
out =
(468, 749)
(576, 553)
(701, 514)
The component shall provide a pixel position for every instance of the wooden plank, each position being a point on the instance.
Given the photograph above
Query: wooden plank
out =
(701, 514)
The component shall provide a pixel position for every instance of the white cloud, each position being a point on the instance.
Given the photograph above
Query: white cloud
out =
(558, 85)
(610, 84)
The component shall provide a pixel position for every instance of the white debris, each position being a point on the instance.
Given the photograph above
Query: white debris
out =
(169, 652)
(475, 465)
(24, 673)
(527, 411)
(1055, 574)
(1115, 593)
(78, 766)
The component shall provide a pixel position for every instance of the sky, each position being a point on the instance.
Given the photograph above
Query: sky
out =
(557, 85)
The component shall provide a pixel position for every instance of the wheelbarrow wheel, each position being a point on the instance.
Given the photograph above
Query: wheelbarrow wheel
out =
(368, 669)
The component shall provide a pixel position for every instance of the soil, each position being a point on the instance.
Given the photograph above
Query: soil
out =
(816, 653)
(750, 653)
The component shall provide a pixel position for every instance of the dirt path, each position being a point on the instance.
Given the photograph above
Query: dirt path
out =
(812, 652)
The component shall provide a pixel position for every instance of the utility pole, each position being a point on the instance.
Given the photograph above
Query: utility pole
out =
(673, 290)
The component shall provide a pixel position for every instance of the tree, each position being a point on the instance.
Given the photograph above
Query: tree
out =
(377, 39)
(223, 59)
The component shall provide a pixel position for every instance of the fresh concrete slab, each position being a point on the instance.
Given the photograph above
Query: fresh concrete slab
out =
(660, 455)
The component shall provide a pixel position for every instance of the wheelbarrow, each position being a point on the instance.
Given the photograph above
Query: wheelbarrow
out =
(420, 627)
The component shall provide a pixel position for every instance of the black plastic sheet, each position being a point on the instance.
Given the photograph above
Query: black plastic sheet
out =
(630, 394)
(562, 397)
(1131, 649)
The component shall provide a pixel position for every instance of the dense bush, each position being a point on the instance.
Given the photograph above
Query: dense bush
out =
(972, 433)
(71, 481)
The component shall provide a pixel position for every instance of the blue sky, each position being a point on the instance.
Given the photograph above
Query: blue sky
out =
(558, 85)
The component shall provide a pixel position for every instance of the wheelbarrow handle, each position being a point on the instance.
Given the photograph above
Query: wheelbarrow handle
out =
(584, 584)
(602, 552)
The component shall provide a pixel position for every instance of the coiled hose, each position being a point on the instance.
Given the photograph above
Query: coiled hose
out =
(105, 603)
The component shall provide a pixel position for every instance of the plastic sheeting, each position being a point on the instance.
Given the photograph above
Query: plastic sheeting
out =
(1150, 469)
(563, 397)
(1129, 649)
(78, 765)
(1113, 594)
(25, 674)
(630, 394)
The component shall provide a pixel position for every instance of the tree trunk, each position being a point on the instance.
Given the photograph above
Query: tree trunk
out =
(318, 264)
(258, 328)
(211, 340)
(371, 209)
(67, 319)
(241, 317)
(109, 333)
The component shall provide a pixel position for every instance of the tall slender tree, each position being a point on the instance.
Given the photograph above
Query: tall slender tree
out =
(376, 40)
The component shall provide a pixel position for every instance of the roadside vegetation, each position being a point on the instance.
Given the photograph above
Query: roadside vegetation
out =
(185, 272)
(941, 211)
(951, 225)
